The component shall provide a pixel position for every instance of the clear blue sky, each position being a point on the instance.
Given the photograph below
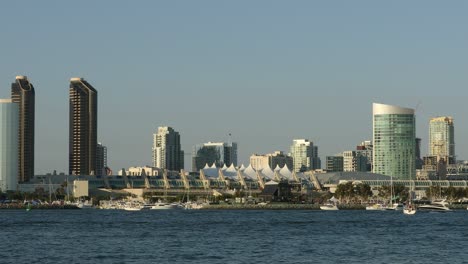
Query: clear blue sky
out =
(265, 71)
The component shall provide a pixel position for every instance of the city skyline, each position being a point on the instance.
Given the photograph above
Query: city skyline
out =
(309, 70)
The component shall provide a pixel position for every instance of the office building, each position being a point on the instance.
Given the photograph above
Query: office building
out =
(218, 153)
(442, 139)
(394, 130)
(83, 128)
(334, 163)
(9, 126)
(305, 155)
(167, 152)
(277, 158)
(354, 161)
(365, 149)
(101, 159)
(22, 93)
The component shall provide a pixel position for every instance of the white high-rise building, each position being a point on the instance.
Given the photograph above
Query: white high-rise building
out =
(442, 139)
(167, 152)
(305, 155)
(9, 125)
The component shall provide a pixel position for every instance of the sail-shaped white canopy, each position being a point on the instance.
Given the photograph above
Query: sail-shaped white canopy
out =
(285, 173)
(250, 172)
(268, 173)
(230, 172)
(211, 171)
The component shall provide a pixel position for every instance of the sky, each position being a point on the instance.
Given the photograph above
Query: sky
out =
(266, 71)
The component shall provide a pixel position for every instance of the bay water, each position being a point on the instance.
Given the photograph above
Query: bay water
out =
(237, 236)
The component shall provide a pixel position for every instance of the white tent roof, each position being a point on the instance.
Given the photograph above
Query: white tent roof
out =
(230, 172)
(268, 173)
(249, 172)
(211, 172)
(271, 183)
(285, 173)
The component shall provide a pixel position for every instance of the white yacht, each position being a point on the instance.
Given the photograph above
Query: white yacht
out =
(437, 205)
(329, 207)
(375, 207)
(409, 209)
(84, 204)
(164, 206)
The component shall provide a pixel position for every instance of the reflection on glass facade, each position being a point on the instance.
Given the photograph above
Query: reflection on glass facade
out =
(9, 124)
(394, 140)
(220, 154)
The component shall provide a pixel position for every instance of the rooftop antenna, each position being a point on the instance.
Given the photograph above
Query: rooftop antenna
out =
(229, 139)
(417, 106)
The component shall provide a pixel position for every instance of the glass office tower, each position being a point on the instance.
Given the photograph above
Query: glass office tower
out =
(394, 137)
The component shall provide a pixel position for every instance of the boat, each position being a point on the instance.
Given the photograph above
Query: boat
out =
(395, 206)
(164, 206)
(436, 206)
(375, 207)
(409, 209)
(132, 207)
(84, 205)
(329, 207)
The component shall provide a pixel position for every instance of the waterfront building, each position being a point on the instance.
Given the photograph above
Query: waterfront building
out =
(218, 153)
(394, 139)
(83, 128)
(277, 158)
(334, 163)
(167, 152)
(101, 159)
(305, 155)
(442, 139)
(9, 126)
(22, 93)
(354, 161)
(365, 149)
(419, 160)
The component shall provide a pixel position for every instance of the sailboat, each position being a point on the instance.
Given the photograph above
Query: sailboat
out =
(391, 205)
(410, 209)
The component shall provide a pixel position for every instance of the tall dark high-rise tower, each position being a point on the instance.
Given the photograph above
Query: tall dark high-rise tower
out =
(22, 92)
(83, 128)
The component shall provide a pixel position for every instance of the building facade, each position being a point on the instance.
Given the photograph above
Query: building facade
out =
(305, 155)
(101, 159)
(442, 139)
(394, 138)
(219, 153)
(334, 163)
(22, 93)
(365, 149)
(9, 126)
(277, 158)
(167, 152)
(83, 128)
(354, 161)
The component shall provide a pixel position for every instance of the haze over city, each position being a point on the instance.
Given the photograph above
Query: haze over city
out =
(266, 71)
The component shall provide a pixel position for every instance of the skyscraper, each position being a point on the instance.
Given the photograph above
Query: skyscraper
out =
(83, 128)
(394, 138)
(9, 126)
(219, 153)
(101, 159)
(302, 152)
(442, 139)
(22, 93)
(167, 152)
